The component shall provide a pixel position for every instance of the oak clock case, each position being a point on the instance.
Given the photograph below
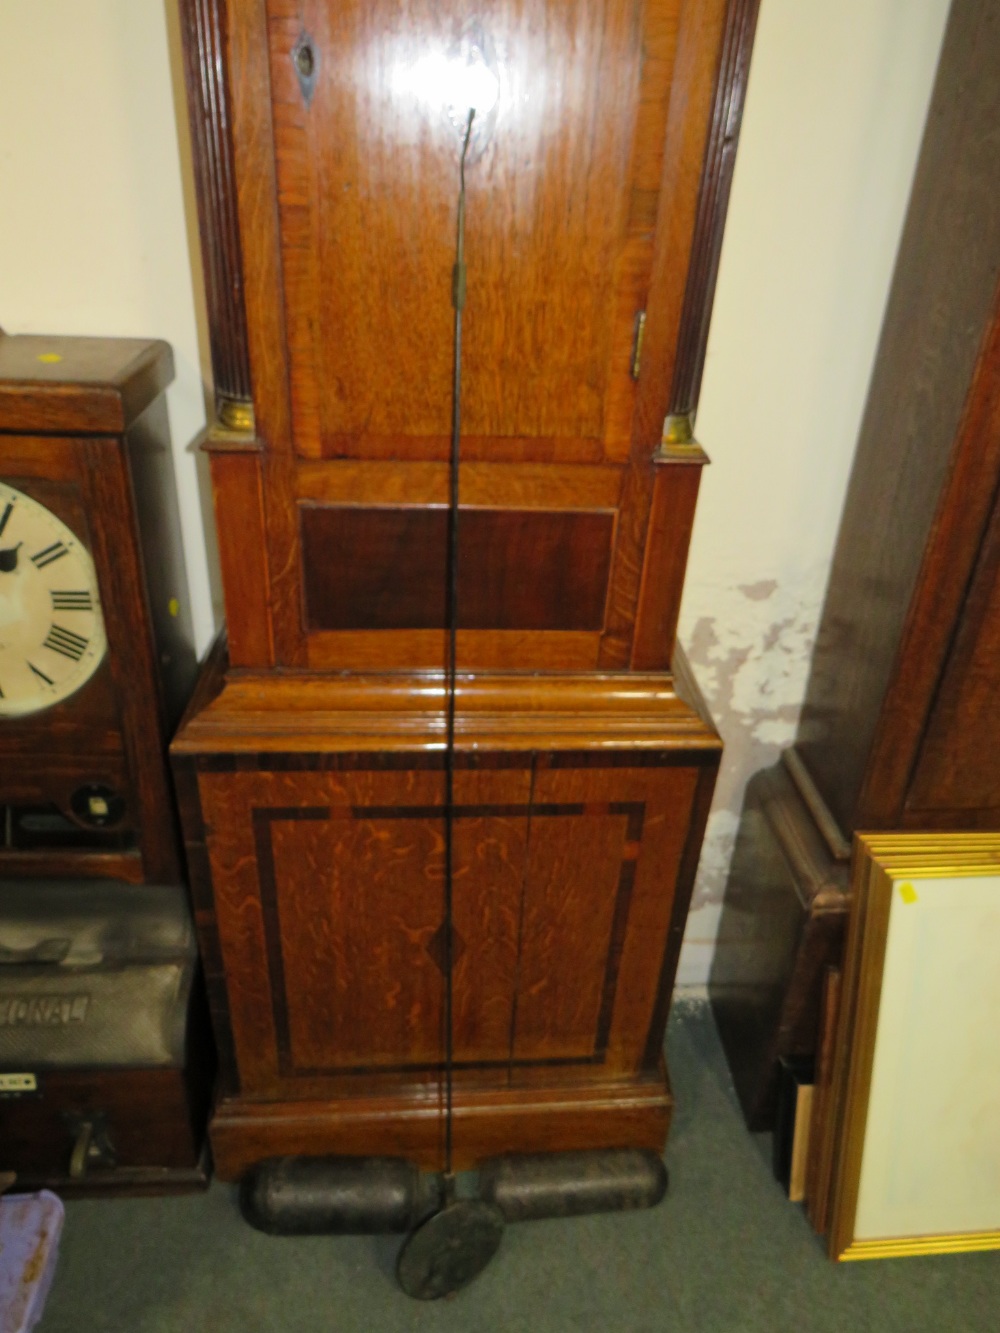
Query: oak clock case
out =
(94, 668)
(309, 765)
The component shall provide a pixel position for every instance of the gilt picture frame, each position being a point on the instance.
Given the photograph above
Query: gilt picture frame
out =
(913, 1133)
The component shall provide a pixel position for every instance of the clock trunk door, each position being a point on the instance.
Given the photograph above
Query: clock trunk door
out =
(562, 197)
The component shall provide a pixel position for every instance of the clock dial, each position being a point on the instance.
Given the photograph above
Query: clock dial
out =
(52, 636)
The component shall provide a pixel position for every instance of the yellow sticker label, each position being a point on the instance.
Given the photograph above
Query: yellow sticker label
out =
(174, 607)
(50, 358)
(908, 893)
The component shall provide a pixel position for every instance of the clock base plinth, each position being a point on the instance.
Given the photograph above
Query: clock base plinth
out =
(487, 1123)
(314, 817)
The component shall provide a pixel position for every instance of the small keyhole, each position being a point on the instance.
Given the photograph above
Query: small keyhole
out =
(306, 61)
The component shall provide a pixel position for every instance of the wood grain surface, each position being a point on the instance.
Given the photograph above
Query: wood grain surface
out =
(583, 213)
(384, 568)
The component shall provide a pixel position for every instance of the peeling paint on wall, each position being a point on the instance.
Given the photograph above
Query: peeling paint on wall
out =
(751, 659)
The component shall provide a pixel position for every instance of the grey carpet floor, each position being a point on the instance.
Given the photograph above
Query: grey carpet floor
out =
(724, 1252)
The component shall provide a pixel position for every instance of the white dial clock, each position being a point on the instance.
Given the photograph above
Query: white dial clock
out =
(52, 636)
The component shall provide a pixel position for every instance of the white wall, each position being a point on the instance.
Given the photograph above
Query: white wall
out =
(95, 237)
(835, 110)
(94, 233)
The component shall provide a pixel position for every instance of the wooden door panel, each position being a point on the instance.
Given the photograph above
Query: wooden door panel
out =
(576, 894)
(356, 902)
(655, 805)
(330, 905)
(561, 215)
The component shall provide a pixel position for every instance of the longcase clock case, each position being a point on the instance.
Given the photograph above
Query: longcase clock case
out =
(311, 761)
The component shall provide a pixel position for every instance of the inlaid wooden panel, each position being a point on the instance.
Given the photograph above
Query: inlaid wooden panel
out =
(352, 901)
(329, 902)
(562, 207)
(577, 895)
(385, 568)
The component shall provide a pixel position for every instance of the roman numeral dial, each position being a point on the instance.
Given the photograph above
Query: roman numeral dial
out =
(52, 636)
(50, 555)
(66, 643)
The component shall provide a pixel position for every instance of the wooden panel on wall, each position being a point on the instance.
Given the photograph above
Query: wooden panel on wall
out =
(384, 568)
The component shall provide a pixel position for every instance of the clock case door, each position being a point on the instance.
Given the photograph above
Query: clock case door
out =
(594, 222)
(85, 434)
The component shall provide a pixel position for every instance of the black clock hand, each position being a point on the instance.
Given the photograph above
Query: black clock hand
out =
(8, 559)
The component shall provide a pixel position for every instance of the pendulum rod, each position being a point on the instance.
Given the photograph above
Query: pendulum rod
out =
(458, 303)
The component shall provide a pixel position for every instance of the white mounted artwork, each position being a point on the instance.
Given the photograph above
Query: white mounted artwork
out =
(916, 1090)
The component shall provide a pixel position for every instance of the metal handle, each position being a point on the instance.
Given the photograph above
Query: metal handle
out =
(92, 1145)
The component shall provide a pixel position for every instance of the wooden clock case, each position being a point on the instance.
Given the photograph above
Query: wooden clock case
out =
(83, 430)
(900, 728)
(310, 764)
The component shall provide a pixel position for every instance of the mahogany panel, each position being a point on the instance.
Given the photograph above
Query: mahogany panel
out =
(385, 568)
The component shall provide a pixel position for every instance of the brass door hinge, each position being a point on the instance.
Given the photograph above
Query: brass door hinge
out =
(640, 329)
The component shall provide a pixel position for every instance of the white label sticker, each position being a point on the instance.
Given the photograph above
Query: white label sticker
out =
(18, 1083)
